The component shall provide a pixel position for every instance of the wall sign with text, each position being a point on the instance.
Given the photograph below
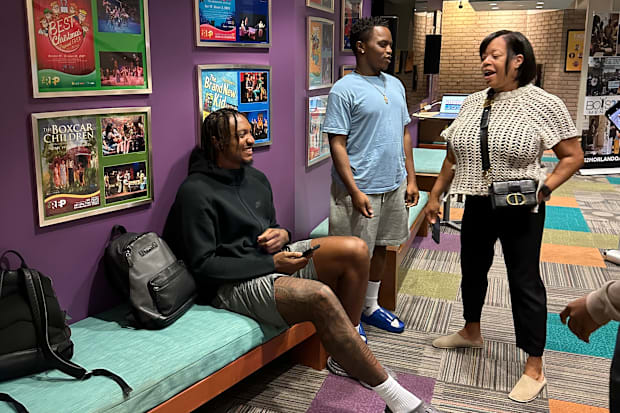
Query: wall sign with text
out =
(230, 23)
(89, 47)
(89, 162)
(246, 88)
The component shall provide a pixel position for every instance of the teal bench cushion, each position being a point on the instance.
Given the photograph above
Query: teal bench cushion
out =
(428, 161)
(322, 230)
(157, 364)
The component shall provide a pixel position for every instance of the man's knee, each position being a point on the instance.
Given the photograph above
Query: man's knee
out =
(357, 248)
(323, 299)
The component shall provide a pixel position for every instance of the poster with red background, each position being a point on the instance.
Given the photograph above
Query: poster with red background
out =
(64, 36)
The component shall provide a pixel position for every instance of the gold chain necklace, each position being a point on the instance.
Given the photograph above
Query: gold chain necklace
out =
(385, 98)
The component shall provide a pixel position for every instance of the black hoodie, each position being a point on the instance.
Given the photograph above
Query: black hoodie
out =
(215, 221)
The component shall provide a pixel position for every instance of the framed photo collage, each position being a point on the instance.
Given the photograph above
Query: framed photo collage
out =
(320, 44)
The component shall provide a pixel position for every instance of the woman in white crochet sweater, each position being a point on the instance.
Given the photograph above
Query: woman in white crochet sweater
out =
(524, 121)
(587, 314)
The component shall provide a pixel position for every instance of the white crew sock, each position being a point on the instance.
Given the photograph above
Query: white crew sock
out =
(399, 399)
(371, 303)
(357, 328)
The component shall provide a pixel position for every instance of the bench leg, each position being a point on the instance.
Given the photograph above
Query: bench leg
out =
(310, 353)
(387, 292)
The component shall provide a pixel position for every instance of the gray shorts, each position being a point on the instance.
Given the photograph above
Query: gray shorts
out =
(388, 226)
(255, 298)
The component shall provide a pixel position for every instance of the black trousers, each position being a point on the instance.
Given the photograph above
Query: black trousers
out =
(614, 380)
(520, 233)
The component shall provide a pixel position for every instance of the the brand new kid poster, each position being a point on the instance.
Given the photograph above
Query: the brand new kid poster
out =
(245, 88)
(88, 47)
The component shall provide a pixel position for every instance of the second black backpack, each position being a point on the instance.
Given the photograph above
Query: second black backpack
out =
(144, 269)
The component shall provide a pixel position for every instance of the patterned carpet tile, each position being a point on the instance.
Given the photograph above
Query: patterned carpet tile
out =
(410, 352)
(559, 406)
(342, 395)
(573, 276)
(614, 180)
(577, 379)
(579, 239)
(431, 284)
(559, 297)
(569, 219)
(496, 323)
(566, 254)
(280, 386)
(588, 185)
(603, 226)
(424, 314)
(448, 242)
(560, 338)
(454, 398)
(497, 367)
(450, 265)
(563, 201)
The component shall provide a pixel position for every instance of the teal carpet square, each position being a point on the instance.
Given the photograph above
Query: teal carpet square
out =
(614, 180)
(565, 218)
(549, 159)
(560, 338)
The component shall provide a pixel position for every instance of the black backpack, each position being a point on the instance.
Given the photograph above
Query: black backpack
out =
(34, 335)
(144, 269)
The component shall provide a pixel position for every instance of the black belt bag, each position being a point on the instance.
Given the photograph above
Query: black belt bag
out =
(519, 193)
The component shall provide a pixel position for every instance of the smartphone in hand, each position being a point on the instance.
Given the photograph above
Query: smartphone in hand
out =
(435, 230)
(309, 251)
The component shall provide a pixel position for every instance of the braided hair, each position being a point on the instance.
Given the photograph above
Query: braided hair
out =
(217, 125)
(362, 29)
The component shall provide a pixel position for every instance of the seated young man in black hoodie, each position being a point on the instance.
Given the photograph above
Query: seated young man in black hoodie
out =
(223, 225)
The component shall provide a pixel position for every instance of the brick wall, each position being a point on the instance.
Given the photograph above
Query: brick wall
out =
(464, 29)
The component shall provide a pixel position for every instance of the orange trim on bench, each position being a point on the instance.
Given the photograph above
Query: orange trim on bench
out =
(229, 375)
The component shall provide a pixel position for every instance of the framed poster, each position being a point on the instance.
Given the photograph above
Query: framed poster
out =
(574, 50)
(238, 23)
(78, 153)
(346, 69)
(325, 5)
(246, 88)
(320, 52)
(351, 11)
(318, 141)
(89, 47)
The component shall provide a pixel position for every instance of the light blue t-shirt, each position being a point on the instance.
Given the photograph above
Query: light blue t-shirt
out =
(357, 109)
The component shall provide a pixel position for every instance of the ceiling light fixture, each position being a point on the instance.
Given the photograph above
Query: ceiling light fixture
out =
(539, 7)
(494, 8)
(540, 3)
(492, 4)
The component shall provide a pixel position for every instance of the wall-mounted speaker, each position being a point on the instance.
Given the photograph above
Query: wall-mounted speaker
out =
(432, 51)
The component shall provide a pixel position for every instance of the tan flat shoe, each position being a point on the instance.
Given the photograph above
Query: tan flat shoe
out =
(455, 341)
(527, 389)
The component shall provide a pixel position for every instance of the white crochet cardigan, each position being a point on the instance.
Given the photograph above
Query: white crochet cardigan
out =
(523, 124)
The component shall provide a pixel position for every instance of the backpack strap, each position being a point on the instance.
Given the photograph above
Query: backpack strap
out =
(20, 408)
(39, 310)
(117, 230)
(7, 252)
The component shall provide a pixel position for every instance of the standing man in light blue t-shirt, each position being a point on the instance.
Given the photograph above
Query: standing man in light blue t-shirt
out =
(373, 177)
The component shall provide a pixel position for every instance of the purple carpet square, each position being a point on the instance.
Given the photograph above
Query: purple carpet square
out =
(343, 395)
(447, 242)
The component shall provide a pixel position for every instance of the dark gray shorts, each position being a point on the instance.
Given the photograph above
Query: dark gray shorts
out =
(255, 298)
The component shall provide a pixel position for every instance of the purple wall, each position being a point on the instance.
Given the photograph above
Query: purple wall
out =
(70, 252)
(312, 184)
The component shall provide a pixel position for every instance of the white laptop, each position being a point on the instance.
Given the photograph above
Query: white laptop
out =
(451, 105)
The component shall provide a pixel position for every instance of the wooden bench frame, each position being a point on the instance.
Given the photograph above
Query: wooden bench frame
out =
(302, 341)
(394, 256)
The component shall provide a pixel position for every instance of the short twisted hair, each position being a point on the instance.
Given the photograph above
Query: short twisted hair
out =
(362, 29)
(217, 125)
